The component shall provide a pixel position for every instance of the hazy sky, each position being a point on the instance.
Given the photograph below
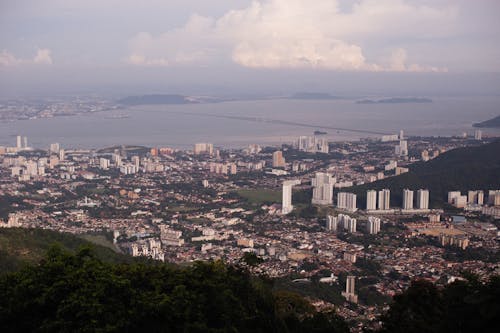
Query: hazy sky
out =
(214, 46)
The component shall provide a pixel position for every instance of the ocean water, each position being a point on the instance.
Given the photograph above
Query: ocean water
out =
(237, 124)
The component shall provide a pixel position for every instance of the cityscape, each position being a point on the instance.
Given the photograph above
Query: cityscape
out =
(250, 166)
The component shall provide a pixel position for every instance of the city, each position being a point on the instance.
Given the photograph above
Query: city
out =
(295, 207)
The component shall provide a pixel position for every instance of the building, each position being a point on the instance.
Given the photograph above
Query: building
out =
(423, 199)
(170, 237)
(322, 188)
(54, 148)
(19, 143)
(401, 150)
(286, 202)
(203, 148)
(278, 159)
(346, 201)
(348, 223)
(331, 223)
(371, 200)
(373, 225)
(452, 195)
(103, 163)
(460, 241)
(475, 197)
(350, 256)
(312, 144)
(384, 199)
(407, 199)
(478, 135)
(350, 290)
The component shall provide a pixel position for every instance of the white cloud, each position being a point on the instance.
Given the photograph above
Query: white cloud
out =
(42, 57)
(296, 34)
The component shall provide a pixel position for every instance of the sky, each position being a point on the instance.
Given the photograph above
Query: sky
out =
(249, 47)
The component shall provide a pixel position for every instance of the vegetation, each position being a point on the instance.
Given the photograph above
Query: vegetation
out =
(261, 196)
(79, 292)
(463, 306)
(19, 247)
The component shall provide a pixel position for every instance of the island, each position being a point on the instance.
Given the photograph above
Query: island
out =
(312, 95)
(395, 100)
(492, 123)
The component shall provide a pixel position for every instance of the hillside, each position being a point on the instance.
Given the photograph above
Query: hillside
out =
(78, 292)
(19, 247)
(461, 169)
(491, 123)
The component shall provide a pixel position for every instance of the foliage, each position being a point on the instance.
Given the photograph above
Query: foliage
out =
(463, 306)
(79, 292)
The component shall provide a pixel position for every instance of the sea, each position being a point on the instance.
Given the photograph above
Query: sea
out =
(236, 124)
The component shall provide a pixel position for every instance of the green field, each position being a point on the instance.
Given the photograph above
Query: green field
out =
(260, 196)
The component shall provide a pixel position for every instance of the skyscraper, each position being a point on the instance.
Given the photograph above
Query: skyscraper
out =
(407, 199)
(286, 203)
(346, 201)
(350, 289)
(371, 200)
(423, 199)
(278, 159)
(384, 199)
(19, 143)
(331, 223)
(373, 225)
(322, 188)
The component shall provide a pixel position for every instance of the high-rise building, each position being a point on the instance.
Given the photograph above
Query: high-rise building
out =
(54, 148)
(286, 202)
(322, 188)
(104, 163)
(19, 143)
(475, 197)
(331, 223)
(423, 199)
(312, 144)
(452, 195)
(25, 139)
(407, 199)
(347, 201)
(478, 135)
(278, 159)
(350, 290)
(384, 199)
(373, 225)
(371, 200)
(62, 155)
(203, 148)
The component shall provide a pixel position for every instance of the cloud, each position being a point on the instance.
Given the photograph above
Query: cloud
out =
(42, 57)
(297, 34)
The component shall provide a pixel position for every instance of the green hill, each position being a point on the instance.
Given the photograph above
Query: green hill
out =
(470, 168)
(78, 292)
(19, 247)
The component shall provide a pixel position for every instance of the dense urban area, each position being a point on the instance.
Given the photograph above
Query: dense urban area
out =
(328, 220)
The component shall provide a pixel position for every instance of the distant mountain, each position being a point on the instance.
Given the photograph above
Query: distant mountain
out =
(470, 168)
(313, 95)
(395, 100)
(492, 123)
(155, 100)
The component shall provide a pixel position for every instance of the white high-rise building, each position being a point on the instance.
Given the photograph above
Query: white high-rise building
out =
(407, 199)
(347, 201)
(322, 189)
(103, 163)
(423, 199)
(452, 195)
(478, 135)
(348, 223)
(401, 150)
(384, 199)
(54, 148)
(203, 148)
(475, 197)
(373, 225)
(350, 291)
(19, 143)
(25, 139)
(278, 159)
(62, 155)
(312, 144)
(286, 203)
(371, 200)
(331, 223)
